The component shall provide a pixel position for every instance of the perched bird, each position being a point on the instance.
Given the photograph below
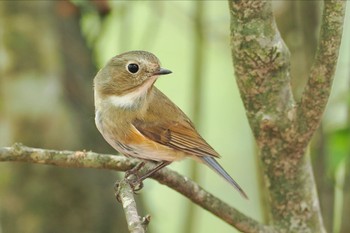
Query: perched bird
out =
(139, 121)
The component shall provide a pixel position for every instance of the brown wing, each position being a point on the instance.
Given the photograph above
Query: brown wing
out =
(166, 124)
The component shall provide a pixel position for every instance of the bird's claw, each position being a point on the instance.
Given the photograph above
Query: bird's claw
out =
(133, 178)
(136, 185)
(117, 191)
(135, 170)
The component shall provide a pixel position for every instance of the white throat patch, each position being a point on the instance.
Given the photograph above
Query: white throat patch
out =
(130, 99)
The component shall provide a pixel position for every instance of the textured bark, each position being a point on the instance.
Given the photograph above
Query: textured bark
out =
(283, 127)
(125, 195)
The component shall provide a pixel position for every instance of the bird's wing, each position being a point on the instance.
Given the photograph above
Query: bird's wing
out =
(175, 135)
(166, 124)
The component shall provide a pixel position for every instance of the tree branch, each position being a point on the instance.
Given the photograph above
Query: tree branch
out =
(318, 87)
(125, 195)
(183, 185)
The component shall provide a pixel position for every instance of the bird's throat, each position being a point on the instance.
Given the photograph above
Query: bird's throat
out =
(135, 98)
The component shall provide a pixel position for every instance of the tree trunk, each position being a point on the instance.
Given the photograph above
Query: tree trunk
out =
(282, 126)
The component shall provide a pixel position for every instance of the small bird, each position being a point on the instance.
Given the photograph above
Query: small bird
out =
(139, 121)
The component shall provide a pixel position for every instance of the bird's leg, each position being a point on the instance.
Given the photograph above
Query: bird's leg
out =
(134, 171)
(137, 184)
(159, 166)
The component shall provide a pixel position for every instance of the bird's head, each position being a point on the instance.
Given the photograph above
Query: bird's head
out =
(127, 78)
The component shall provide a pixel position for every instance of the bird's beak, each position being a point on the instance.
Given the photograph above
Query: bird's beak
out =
(162, 71)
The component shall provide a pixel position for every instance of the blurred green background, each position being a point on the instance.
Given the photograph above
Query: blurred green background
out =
(49, 54)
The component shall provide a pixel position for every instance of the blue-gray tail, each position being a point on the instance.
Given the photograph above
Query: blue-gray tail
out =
(214, 165)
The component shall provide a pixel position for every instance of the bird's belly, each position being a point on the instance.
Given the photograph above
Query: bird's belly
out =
(148, 151)
(132, 143)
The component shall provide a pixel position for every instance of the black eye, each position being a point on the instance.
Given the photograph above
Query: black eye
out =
(133, 68)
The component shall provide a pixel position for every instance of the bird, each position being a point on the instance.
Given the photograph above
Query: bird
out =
(139, 121)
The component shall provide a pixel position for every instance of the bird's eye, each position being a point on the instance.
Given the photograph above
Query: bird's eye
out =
(133, 68)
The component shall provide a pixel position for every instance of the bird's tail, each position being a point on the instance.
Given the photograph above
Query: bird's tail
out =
(214, 165)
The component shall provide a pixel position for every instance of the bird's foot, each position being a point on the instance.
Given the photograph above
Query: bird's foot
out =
(135, 170)
(133, 178)
(135, 184)
(117, 191)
